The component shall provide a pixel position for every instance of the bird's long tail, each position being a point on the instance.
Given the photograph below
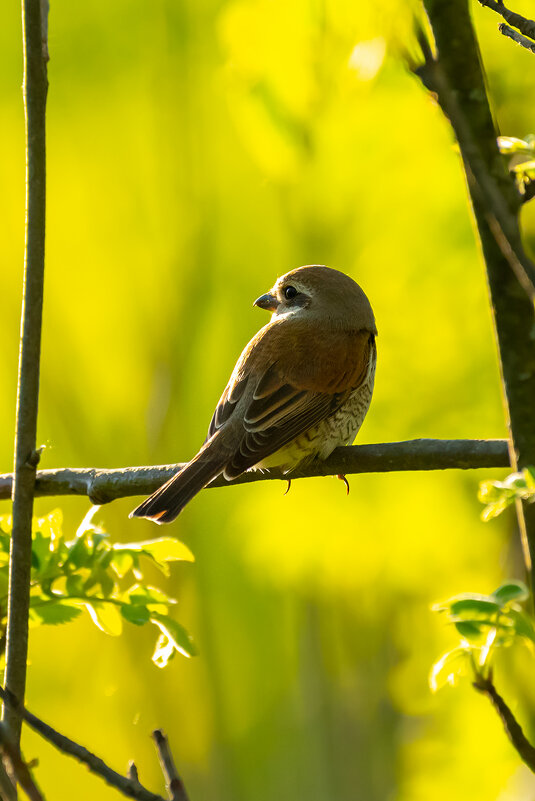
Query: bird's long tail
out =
(164, 505)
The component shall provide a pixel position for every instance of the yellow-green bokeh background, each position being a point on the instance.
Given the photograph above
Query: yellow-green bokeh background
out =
(196, 150)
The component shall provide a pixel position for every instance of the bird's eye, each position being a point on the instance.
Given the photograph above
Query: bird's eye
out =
(290, 292)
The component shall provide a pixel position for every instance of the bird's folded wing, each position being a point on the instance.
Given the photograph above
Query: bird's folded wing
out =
(265, 431)
(273, 411)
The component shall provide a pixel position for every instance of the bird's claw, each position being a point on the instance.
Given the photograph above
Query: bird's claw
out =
(342, 477)
(289, 480)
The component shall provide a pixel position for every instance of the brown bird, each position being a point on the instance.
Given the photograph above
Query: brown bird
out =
(301, 387)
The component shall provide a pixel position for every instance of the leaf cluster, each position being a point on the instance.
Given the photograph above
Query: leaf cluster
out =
(484, 623)
(91, 573)
(498, 495)
(522, 159)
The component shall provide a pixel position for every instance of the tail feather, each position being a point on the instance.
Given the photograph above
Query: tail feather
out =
(164, 505)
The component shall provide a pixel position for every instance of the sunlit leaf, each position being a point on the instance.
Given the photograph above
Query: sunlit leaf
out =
(106, 616)
(449, 668)
(529, 475)
(523, 624)
(176, 634)
(135, 613)
(527, 168)
(140, 594)
(106, 582)
(164, 651)
(54, 613)
(472, 604)
(510, 144)
(473, 631)
(511, 591)
(121, 562)
(162, 551)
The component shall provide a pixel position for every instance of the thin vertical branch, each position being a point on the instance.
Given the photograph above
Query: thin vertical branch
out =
(26, 457)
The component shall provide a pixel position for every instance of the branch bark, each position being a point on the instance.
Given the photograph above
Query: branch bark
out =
(127, 785)
(35, 91)
(103, 486)
(464, 100)
(523, 24)
(173, 782)
(512, 727)
(517, 37)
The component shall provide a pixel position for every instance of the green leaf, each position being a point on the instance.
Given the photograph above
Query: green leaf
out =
(121, 562)
(137, 614)
(526, 168)
(510, 144)
(473, 631)
(164, 651)
(141, 594)
(471, 604)
(78, 553)
(106, 616)
(162, 551)
(529, 475)
(41, 552)
(74, 584)
(511, 591)
(53, 613)
(177, 637)
(449, 667)
(106, 582)
(522, 624)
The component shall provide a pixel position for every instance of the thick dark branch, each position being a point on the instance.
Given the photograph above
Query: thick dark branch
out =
(517, 37)
(129, 786)
(103, 486)
(514, 731)
(35, 91)
(523, 24)
(463, 97)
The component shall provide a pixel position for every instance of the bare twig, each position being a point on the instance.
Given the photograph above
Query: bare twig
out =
(18, 766)
(128, 785)
(103, 486)
(523, 24)
(35, 91)
(517, 37)
(174, 784)
(514, 731)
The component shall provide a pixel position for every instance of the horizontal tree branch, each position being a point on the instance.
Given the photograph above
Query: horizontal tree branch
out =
(103, 486)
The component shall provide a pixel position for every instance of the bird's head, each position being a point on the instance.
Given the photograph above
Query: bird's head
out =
(319, 293)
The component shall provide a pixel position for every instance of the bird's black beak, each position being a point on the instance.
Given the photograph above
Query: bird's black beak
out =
(267, 301)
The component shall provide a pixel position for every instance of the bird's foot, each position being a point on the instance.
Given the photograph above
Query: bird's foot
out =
(342, 477)
(289, 480)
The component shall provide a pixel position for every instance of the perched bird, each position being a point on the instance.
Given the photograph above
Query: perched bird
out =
(301, 387)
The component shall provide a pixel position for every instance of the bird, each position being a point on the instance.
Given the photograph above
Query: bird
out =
(301, 387)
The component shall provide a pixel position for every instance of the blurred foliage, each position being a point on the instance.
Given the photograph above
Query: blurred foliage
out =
(498, 495)
(485, 623)
(521, 153)
(84, 573)
(196, 150)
